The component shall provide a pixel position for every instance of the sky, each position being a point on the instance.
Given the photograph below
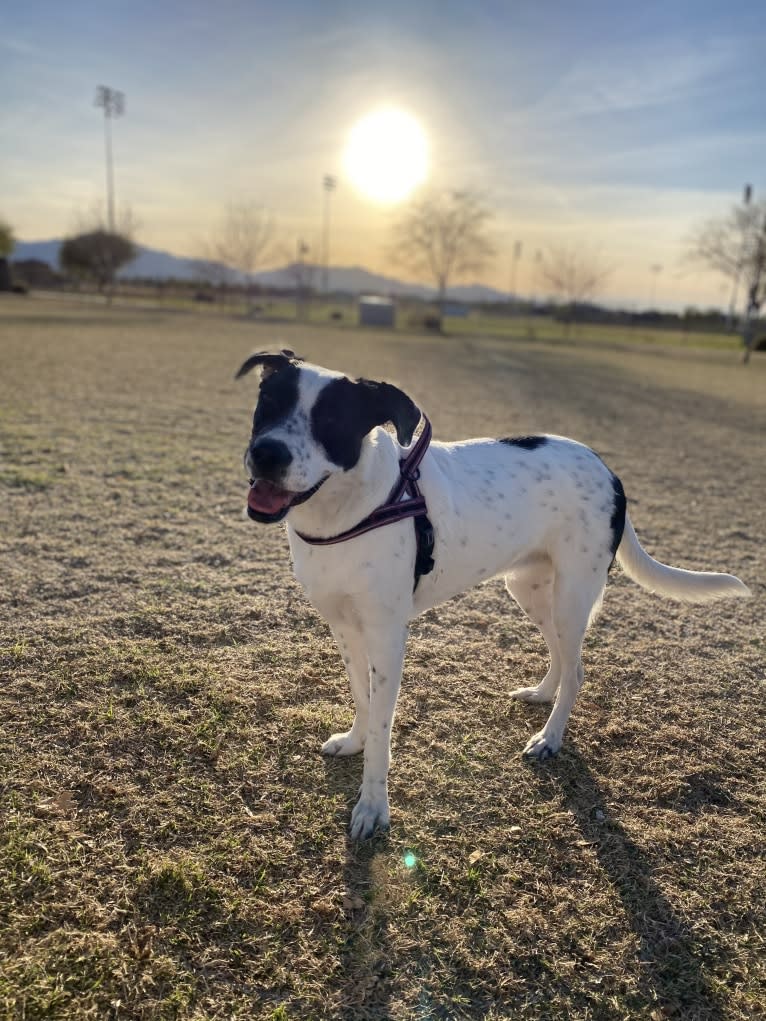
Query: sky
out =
(610, 126)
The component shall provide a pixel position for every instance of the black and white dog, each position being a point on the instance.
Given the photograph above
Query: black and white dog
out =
(543, 511)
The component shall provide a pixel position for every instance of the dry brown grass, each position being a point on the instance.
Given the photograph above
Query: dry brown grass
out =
(172, 845)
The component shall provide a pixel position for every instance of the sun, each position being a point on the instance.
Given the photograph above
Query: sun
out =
(386, 155)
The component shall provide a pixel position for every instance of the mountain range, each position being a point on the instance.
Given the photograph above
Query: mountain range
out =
(155, 264)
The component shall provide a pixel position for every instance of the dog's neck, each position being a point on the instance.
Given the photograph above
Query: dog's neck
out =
(348, 497)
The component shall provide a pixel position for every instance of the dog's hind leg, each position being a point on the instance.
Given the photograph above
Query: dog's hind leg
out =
(532, 588)
(350, 642)
(574, 599)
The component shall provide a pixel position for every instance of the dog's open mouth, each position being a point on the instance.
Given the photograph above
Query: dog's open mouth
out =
(267, 502)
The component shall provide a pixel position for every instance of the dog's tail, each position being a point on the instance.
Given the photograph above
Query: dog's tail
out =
(688, 586)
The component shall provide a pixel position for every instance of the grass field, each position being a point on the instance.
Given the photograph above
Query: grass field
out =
(172, 845)
(478, 323)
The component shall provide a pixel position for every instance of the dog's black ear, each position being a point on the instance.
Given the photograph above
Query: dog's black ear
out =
(270, 360)
(388, 403)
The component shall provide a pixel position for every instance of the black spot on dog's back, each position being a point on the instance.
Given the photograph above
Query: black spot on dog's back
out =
(525, 442)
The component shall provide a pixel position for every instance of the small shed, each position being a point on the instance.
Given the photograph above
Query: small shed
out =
(455, 310)
(375, 311)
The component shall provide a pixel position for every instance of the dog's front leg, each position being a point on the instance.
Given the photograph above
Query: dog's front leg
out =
(350, 641)
(385, 653)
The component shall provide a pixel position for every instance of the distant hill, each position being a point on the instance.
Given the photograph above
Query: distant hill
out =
(45, 251)
(153, 263)
(150, 262)
(346, 279)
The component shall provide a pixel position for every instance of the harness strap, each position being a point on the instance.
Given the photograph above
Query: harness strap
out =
(397, 509)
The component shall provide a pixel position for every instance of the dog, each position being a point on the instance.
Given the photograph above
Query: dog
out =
(543, 511)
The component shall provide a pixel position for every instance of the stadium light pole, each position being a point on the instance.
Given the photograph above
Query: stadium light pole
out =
(112, 102)
(517, 247)
(329, 184)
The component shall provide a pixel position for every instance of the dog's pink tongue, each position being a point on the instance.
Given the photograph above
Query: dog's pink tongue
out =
(267, 498)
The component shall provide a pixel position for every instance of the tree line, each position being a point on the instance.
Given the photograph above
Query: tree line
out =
(441, 237)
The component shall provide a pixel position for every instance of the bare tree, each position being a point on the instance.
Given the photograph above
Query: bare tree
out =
(573, 274)
(444, 236)
(7, 244)
(735, 246)
(245, 238)
(756, 290)
(728, 244)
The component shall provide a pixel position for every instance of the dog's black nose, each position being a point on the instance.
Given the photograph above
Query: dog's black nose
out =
(269, 458)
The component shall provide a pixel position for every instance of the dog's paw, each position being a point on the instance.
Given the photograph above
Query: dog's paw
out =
(532, 695)
(369, 814)
(541, 746)
(343, 744)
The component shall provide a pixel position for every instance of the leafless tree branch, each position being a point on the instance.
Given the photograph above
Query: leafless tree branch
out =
(444, 236)
(733, 246)
(573, 273)
(245, 237)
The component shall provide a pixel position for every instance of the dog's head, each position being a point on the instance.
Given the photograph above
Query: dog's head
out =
(309, 423)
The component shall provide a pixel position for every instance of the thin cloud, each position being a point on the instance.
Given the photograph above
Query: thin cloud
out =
(633, 80)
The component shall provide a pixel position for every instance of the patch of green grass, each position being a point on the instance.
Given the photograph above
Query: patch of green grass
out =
(24, 867)
(279, 1013)
(27, 478)
(177, 887)
(547, 329)
(17, 652)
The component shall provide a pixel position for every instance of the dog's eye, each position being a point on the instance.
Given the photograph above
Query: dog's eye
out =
(266, 410)
(266, 406)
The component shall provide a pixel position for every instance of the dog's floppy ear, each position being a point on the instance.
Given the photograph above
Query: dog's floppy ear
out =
(388, 403)
(270, 360)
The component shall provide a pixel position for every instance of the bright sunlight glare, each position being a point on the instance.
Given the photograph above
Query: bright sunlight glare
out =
(386, 156)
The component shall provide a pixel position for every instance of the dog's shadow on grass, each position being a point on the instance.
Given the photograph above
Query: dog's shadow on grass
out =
(672, 972)
(366, 951)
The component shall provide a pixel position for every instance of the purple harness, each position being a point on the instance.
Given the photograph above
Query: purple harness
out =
(397, 509)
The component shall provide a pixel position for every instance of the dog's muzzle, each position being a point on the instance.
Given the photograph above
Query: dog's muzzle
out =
(268, 503)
